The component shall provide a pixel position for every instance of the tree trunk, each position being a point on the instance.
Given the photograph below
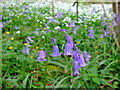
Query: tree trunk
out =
(118, 22)
(116, 10)
(53, 8)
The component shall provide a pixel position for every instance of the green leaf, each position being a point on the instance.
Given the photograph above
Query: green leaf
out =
(58, 84)
(93, 70)
(96, 80)
(25, 81)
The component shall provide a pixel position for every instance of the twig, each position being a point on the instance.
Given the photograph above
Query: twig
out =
(111, 80)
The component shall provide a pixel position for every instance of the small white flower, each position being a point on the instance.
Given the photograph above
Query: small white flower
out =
(18, 32)
(67, 25)
(43, 36)
(57, 27)
(38, 20)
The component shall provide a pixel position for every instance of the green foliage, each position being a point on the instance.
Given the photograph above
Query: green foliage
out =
(24, 71)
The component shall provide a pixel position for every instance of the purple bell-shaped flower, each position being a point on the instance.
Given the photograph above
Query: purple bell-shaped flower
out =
(76, 68)
(30, 38)
(55, 51)
(87, 55)
(26, 51)
(53, 40)
(41, 56)
(68, 49)
(79, 58)
(69, 39)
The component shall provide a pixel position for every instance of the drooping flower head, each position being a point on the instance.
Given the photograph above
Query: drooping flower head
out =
(76, 68)
(87, 55)
(30, 38)
(79, 58)
(91, 35)
(68, 49)
(41, 56)
(26, 51)
(69, 39)
(55, 51)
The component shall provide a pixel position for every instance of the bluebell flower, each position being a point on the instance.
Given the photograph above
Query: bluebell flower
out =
(68, 49)
(26, 12)
(51, 19)
(55, 51)
(1, 26)
(103, 41)
(28, 17)
(76, 68)
(104, 23)
(91, 30)
(114, 23)
(30, 38)
(105, 33)
(72, 24)
(36, 32)
(53, 40)
(63, 30)
(118, 19)
(26, 51)
(25, 6)
(79, 58)
(42, 55)
(59, 15)
(102, 36)
(4, 23)
(87, 55)
(17, 27)
(69, 39)
(93, 10)
(28, 44)
(75, 29)
(91, 33)
(37, 29)
(114, 35)
(48, 30)
(1, 17)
